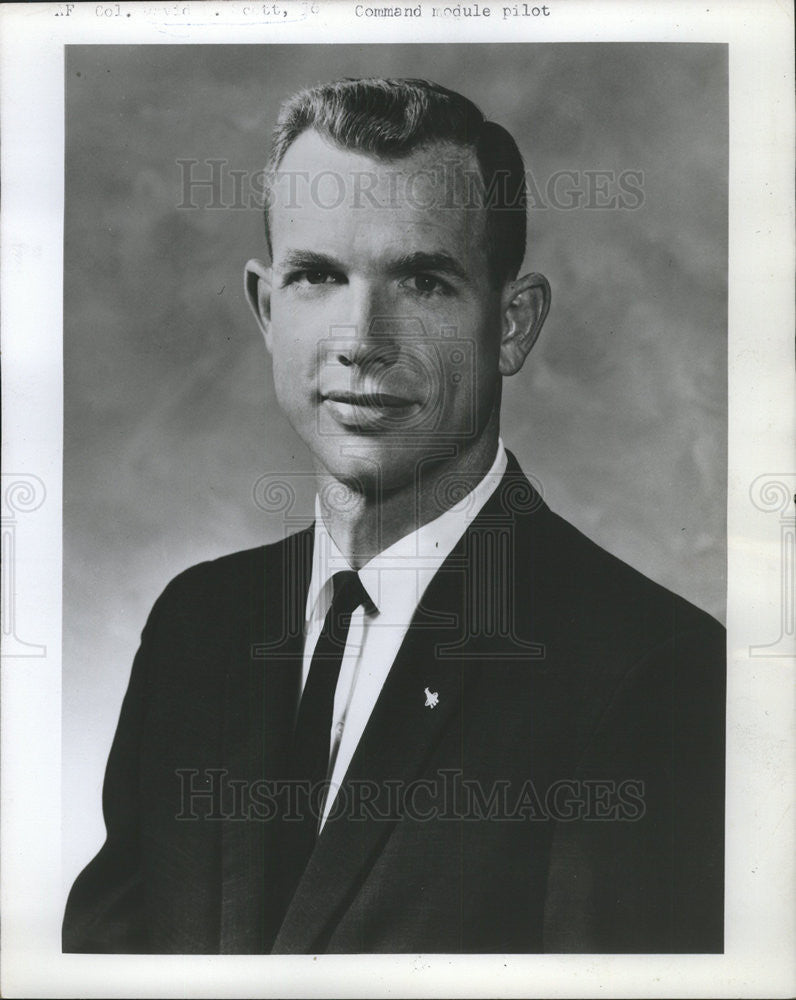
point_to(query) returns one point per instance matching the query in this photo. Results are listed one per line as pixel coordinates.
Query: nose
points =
(370, 336)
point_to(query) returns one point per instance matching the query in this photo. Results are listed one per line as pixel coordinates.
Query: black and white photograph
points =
(430, 714)
(397, 406)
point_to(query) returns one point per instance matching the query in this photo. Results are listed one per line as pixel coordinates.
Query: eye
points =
(426, 284)
(314, 276)
(319, 277)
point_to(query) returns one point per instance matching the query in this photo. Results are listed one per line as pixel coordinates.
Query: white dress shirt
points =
(395, 581)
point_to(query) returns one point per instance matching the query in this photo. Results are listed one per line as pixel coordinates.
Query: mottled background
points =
(170, 415)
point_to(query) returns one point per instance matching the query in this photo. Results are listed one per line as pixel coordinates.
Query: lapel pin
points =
(432, 698)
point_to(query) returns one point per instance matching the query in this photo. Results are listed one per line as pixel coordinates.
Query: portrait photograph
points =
(397, 517)
(538, 718)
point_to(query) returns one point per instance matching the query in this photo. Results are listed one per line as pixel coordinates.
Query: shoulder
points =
(600, 584)
(569, 570)
(234, 579)
(603, 623)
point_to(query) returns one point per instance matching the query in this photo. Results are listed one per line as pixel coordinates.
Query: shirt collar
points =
(396, 578)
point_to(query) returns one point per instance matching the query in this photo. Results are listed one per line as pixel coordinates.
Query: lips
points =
(375, 400)
(369, 411)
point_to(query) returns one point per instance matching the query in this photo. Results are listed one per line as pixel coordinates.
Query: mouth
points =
(368, 410)
(373, 400)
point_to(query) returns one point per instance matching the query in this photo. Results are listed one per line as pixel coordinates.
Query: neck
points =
(371, 523)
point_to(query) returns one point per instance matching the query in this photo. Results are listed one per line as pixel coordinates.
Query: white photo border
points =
(760, 819)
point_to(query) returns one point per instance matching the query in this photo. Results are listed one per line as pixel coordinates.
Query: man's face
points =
(384, 327)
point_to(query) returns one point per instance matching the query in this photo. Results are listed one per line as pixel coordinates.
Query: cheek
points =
(293, 370)
(293, 343)
(285, 351)
(481, 345)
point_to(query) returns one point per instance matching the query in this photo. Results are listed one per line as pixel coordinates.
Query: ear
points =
(524, 305)
(257, 285)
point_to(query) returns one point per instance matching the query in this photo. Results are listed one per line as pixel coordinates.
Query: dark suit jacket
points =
(565, 794)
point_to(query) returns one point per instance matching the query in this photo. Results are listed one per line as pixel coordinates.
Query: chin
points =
(377, 466)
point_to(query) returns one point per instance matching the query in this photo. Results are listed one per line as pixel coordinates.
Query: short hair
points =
(389, 119)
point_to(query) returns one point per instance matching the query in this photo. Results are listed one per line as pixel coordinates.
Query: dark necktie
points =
(310, 753)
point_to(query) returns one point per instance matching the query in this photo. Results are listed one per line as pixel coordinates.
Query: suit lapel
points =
(262, 686)
(441, 653)
(398, 737)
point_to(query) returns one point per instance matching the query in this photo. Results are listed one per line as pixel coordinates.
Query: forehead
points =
(326, 193)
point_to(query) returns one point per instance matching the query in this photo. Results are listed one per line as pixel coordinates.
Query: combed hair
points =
(389, 119)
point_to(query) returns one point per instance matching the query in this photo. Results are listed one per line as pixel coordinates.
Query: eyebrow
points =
(437, 261)
(308, 260)
(420, 260)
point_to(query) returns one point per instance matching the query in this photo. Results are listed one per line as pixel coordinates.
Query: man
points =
(439, 719)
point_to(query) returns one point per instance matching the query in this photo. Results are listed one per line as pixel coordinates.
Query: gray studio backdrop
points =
(170, 415)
